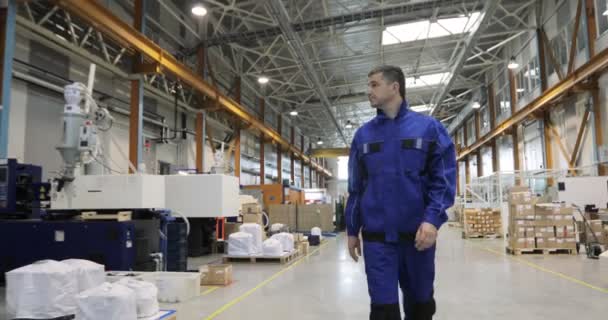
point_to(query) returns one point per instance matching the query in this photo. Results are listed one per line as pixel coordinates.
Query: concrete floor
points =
(475, 280)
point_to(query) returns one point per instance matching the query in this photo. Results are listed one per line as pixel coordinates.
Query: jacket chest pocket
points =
(373, 156)
(415, 155)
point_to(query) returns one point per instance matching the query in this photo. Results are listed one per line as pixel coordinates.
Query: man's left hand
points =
(426, 236)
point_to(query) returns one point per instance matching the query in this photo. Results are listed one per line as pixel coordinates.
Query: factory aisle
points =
(475, 281)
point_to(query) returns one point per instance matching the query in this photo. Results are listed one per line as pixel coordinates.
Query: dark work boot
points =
(385, 312)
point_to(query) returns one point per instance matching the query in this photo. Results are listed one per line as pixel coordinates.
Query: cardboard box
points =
(315, 215)
(596, 225)
(566, 243)
(253, 218)
(553, 209)
(283, 213)
(564, 231)
(216, 274)
(304, 247)
(518, 210)
(251, 208)
(520, 195)
(521, 243)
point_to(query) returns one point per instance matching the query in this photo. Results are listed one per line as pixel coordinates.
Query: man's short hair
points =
(391, 74)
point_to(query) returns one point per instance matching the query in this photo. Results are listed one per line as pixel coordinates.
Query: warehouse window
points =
(342, 168)
(427, 80)
(602, 16)
(528, 78)
(421, 30)
(471, 131)
(484, 120)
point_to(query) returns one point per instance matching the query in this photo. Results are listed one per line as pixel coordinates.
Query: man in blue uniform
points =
(402, 176)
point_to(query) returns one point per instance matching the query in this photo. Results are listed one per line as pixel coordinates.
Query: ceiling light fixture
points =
(475, 105)
(348, 125)
(293, 112)
(520, 90)
(319, 142)
(263, 80)
(606, 12)
(513, 64)
(199, 10)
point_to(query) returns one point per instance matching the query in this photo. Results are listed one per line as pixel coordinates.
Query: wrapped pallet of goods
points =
(521, 219)
(554, 227)
(109, 301)
(256, 232)
(240, 244)
(273, 247)
(482, 223)
(286, 239)
(146, 296)
(42, 290)
(89, 273)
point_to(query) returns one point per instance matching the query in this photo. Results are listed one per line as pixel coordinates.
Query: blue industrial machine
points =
(22, 191)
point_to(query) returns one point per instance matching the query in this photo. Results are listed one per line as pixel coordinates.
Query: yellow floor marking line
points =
(543, 269)
(262, 284)
(210, 290)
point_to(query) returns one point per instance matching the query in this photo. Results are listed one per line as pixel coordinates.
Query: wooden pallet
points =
(481, 236)
(285, 258)
(539, 251)
(120, 216)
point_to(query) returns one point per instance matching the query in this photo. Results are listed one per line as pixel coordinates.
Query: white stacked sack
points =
(255, 230)
(272, 248)
(240, 244)
(42, 290)
(286, 239)
(90, 274)
(146, 296)
(109, 301)
(316, 231)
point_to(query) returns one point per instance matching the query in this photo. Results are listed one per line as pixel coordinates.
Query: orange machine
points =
(278, 194)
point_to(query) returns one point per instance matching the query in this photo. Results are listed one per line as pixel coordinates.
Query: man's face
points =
(379, 91)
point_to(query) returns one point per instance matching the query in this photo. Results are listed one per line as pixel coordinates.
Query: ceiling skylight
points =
(421, 108)
(430, 80)
(421, 30)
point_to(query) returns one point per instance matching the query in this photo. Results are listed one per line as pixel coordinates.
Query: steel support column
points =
(7, 50)
(595, 94)
(262, 146)
(280, 152)
(303, 176)
(293, 160)
(201, 118)
(237, 131)
(137, 96)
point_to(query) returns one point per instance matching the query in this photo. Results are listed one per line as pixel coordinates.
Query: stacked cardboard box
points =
(521, 219)
(315, 215)
(482, 222)
(598, 229)
(216, 274)
(539, 225)
(252, 213)
(554, 226)
(283, 213)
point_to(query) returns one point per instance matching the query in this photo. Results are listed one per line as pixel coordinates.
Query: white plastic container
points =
(146, 296)
(109, 301)
(240, 244)
(174, 287)
(286, 240)
(90, 274)
(272, 248)
(42, 290)
(316, 231)
(255, 230)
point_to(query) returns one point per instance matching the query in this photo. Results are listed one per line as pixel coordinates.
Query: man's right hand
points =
(354, 247)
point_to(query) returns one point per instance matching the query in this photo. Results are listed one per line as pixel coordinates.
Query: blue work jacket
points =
(402, 172)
